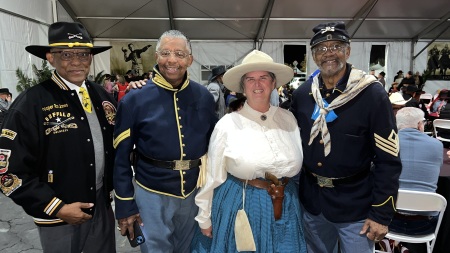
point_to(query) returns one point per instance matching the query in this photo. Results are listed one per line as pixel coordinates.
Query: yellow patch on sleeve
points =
(125, 134)
(389, 145)
(8, 134)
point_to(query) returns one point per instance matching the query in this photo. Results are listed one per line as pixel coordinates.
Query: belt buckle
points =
(324, 181)
(182, 164)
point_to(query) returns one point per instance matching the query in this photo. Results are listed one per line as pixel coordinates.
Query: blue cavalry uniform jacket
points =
(363, 137)
(163, 123)
(47, 155)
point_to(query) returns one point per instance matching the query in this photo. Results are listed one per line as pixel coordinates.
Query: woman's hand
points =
(207, 232)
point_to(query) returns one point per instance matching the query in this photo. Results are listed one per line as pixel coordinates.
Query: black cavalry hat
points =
(330, 31)
(217, 71)
(66, 35)
(5, 91)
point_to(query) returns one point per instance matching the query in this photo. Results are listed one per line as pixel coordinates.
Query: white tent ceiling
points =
(259, 20)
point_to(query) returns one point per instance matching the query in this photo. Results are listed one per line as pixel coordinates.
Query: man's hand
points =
(373, 230)
(136, 84)
(127, 224)
(207, 232)
(72, 213)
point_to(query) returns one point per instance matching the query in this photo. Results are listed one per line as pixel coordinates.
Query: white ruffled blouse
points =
(246, 146)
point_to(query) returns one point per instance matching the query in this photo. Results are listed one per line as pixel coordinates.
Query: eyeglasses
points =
(68, 56)
(178, 54)
(333, 49)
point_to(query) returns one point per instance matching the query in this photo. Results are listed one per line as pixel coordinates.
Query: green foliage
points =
(99, 78)
(42, 74)
(426, 74)
(25, 82)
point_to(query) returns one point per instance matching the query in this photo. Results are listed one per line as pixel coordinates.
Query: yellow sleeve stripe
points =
(52, 205)
(391, 198)
(389, 145)
(125, 134)
(129, 198)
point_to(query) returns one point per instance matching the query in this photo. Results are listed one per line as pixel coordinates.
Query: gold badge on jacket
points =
(110, 112)
(9, 183)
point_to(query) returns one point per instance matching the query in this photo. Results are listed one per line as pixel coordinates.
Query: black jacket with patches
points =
(48, 152)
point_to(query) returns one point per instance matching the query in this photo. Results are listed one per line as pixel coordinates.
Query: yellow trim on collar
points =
(125, 134)
(159, 80)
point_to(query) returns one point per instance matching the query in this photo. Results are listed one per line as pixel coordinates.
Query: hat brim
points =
(232, 77)
(41, 51)
(211, 77)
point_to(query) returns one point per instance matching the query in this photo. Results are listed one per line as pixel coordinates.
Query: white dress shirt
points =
(246, 146)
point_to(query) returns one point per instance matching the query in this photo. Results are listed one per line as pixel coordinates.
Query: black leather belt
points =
(174, 165)
(330, 182)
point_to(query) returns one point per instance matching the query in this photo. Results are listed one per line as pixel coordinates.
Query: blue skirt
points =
(284, 235)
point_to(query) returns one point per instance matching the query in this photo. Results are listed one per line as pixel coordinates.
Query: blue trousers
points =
(168, 221)
(321, 235)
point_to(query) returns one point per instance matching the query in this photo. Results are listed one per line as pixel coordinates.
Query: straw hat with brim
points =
(256, 61)
(397, 99)
(66, 35)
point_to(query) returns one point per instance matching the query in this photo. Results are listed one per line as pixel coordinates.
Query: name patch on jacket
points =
(59, 124)
(8, 134)
(4, 160)
(9, 183)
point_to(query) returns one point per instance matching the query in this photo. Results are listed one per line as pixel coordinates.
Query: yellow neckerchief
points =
(159, 80)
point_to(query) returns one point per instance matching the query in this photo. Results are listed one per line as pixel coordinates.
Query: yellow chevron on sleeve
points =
(389, 145)
(125, 134)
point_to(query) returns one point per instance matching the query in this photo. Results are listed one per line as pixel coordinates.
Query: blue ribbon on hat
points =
(331, 115)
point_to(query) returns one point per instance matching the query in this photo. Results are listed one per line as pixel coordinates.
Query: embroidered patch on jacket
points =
(8, 134)
(60, 123)
(389, 145)
(9, 183)
(4, 160)
(110, 112)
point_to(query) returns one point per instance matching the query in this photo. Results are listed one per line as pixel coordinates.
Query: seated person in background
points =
(439, 102)
(444, 113)
(408, 80)
(421, 157)
(409, 95)
(398, 76)
(397, 101)
(393, 88)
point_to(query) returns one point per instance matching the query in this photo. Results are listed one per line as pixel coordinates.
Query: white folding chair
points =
(423, 202)
(426, 97)
(443, 124)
